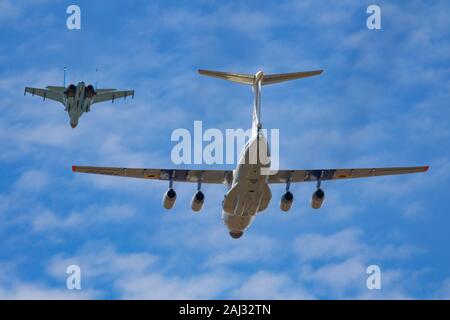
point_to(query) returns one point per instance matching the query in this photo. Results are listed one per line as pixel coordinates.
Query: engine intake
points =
(197, 201)
(169, 198)
(317, 199)
(286, 201)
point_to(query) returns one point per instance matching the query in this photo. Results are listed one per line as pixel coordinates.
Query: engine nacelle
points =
(197, 201)
(317, 199)
(71, 91)
(169, 198)
(89, 92)
(286, 201)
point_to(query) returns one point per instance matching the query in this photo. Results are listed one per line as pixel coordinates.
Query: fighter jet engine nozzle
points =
(197, 201)
(317, 199)
(169, 198)
(286, 201)
(71, 90)
(90, 91)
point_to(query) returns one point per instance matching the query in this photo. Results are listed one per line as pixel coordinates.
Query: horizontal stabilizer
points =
(235, 77)
(275, 78)
(266, 78)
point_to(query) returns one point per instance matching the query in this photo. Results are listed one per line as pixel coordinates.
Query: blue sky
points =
(382, 101)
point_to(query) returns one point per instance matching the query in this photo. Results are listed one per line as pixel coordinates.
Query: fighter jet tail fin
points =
(250, 79)
(64, 81)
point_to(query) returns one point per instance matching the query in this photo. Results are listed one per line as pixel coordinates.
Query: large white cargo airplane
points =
(78, 99)
(248, 186)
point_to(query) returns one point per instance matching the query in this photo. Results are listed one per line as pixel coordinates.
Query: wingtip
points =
(318, 72)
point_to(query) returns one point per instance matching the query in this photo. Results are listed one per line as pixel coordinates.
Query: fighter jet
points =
(78, 99)
(248, 191)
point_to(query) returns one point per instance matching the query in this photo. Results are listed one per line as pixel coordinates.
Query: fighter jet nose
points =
(73, 125)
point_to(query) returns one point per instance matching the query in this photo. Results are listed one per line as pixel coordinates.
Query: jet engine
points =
(317, 199)
(197, 201)
(286, 201)
(89, 92)
(169, 198)
(71, 90)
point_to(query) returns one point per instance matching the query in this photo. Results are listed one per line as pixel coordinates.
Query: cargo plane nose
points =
(236, 234)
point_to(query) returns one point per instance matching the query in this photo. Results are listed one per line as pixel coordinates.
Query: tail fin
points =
(251, 79)
(64, 81)
(96, 72)
(256, 81)
(235, 77)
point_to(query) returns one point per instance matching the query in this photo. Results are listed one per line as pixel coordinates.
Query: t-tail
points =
(258, 80)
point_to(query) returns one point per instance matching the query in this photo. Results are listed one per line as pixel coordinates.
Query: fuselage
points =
(249, 192)
(77, 100)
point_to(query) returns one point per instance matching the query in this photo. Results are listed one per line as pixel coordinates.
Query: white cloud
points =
(256, 248)
(444, 291)
(268, 285)
(7, 10)
(98, 261)
(341, 244)
(350, 243)
(46, 220)
(158, 286)
(138, 276)
(31, 181)
(92, 215)
(32, 291)
(340, 277)
(14, 288)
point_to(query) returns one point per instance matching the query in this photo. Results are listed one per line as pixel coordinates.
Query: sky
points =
(382, 101)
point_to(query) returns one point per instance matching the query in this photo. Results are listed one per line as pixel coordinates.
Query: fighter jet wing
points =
(104, 90)
(56, 88)
(284, 176)
(112, 95)
(181, 175)
(45, 93)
